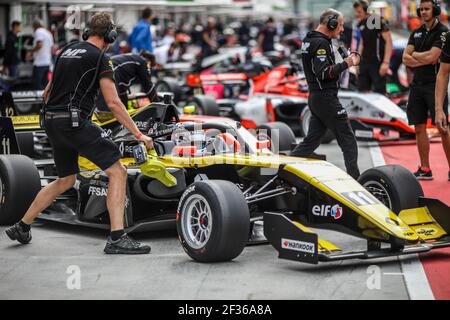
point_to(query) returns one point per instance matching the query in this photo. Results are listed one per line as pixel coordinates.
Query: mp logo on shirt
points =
(305, 47)
(73, 53)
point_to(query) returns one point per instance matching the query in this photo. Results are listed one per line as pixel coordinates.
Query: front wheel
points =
(393, 185)
(213, 221)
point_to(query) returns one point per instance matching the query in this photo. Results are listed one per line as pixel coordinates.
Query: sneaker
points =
(423, 175)
(125, 245)
(17, 233)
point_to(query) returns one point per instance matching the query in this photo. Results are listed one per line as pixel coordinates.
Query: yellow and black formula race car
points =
(216, 181)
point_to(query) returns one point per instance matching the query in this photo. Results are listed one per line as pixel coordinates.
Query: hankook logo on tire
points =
(185, 194)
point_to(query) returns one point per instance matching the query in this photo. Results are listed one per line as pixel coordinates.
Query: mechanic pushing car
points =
(375, 48)
(80, 70)
(129, 69)
(322, 74)
(422, 55)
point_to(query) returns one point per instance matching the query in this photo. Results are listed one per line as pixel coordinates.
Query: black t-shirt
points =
(445, 56)
(269, 37)
(130, 69)
(424, 40)
(73, 74)
(373, 42)
(11, 52)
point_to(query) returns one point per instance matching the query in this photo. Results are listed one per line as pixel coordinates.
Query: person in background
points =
(197, 32)
(141, 37)
(375, 49)
(209, 38)
(288, 27)
(422, 56)
(12, 58)
(42, 54)
(266, 37)
(169, 36)
(244, 33)
(347, 35)
(155, 30)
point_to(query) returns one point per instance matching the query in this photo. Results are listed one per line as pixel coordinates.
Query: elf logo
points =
(335, 211)
(301, 246)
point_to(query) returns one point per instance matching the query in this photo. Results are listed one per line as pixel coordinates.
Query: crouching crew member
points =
(322, 75)
(422, 55)
(130, 69)
(81, 69)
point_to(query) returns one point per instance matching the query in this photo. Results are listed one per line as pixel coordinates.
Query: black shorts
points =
(88, 140)
(369, 78)
(421, 104)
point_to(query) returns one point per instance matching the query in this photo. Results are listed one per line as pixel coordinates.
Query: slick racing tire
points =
(395, 186)
(25, 140)
(170, 85)
(305, 118)
(205, 105)
(19, 185)
(280, 134)
(213, 221)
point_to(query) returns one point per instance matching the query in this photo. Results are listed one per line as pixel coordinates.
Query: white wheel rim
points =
(196, 223)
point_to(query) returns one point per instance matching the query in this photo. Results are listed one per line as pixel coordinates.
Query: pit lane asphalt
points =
(41, 269)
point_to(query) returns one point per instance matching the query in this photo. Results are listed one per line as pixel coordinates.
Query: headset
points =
(436, 9)
(333, 22)
(109, 36)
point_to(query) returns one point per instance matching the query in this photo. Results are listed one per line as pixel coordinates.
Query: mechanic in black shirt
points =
(322, 74)
(441, 108)
(422, 55)
(130, 69)
(375, 49)
(79, 72)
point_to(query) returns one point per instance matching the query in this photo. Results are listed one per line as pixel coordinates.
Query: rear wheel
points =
(304, 127)
(19, 185)
(395, 186)
(170, 85)
(213, 221)
(205, 105)
(280, 134)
